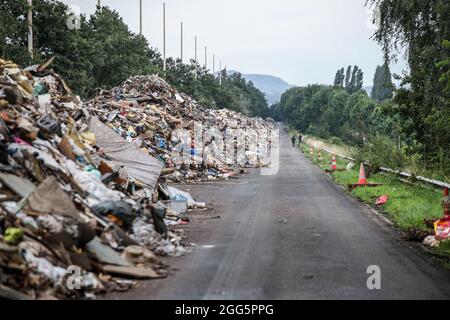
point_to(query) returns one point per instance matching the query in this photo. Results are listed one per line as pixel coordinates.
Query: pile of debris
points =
(84, 200)
(73, 213)
(190, 140)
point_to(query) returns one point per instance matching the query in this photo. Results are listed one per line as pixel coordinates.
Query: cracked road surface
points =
(294, 235)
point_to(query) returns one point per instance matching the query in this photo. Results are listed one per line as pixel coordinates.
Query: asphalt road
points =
(321, 249)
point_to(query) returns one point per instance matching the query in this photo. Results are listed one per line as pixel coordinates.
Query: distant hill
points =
(273, 87)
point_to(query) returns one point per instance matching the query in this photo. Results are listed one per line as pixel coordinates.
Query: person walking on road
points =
(293, 141)
(300, 139)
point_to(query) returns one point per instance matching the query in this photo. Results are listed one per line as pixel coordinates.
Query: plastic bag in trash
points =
(158, 214)
(120, 209)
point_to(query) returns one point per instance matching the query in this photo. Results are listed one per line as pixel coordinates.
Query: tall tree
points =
(102, 53)
(419, 28)
(359, 80)
(121, 53)
(339, 78)
(354, 79)
(382, 84)
(13, 30)
(348, 76)
(445, 67)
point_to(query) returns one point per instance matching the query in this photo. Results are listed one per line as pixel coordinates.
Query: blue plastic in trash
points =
(162, 143)
(179, 203)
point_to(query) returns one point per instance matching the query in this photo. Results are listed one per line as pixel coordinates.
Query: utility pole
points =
(140, 17)
(195, 54)
(181, 41)
(99, 3)
(196, 71)
(220, 73)
(206, 57)
(214, 65)
(164, 37)
(30, 28)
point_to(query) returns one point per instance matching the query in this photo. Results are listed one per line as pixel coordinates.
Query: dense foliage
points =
(103, 52)
(329, 111)
(421, 29)
(383, 87)
(405, 127)
(444, 65)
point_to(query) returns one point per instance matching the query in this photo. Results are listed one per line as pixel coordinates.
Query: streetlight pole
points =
(196, 71)
(220, 73)
(164, 37)
(195, 51)
(30, 28)
(206, 57)
(182, 41)
(140, 17)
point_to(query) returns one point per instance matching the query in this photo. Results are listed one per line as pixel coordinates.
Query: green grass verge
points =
(408, 206)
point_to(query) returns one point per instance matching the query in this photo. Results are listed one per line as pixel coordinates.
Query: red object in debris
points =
(333, 163)
(442, 229)
(362, 176)
(382, 200)
(20, 141)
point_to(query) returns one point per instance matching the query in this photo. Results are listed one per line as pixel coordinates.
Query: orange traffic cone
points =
(333, 163)
(446, 203)
(362, 176)
(362, 180)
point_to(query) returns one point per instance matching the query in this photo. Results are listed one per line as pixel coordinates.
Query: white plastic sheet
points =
(138, 164)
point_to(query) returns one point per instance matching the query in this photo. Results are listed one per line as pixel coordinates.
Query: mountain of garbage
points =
(85, 201)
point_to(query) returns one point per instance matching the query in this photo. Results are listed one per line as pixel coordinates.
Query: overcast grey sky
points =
(301, 41)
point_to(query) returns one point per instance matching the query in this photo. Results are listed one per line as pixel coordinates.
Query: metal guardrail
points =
(433, 182)
(429, 181)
